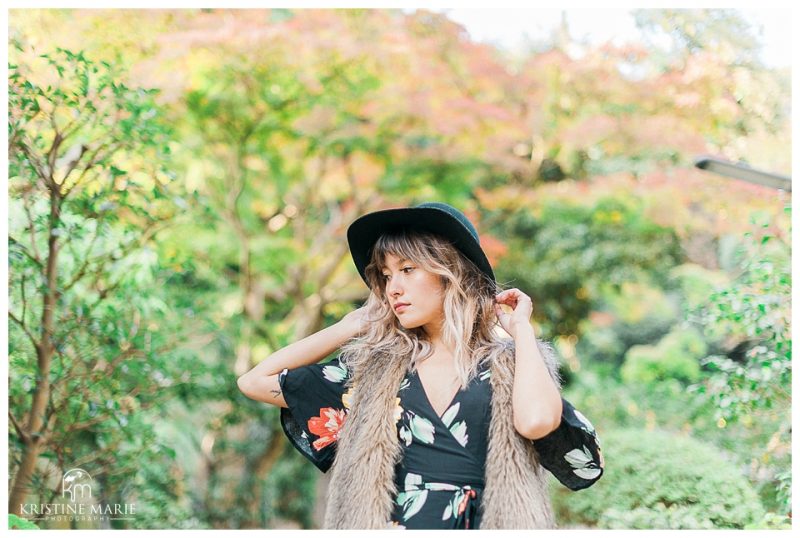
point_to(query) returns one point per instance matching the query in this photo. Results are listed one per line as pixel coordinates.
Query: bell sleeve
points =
(316, 397)
(572, 451)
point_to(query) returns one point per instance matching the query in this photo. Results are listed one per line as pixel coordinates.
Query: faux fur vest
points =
(362, 489)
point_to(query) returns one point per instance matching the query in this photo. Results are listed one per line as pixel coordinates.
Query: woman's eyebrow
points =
(401, 260)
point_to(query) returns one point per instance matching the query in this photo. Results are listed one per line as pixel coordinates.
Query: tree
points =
(756, 309)
(89, 191)
(692, 31)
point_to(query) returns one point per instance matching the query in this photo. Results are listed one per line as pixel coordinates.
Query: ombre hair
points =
(470, 326)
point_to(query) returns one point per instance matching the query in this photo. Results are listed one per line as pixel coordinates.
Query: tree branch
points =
(52, 154)
(32, 228)
(20, 431)
(37, 166)
(82, 271)
(24, 328)
(25, 251)
(111, 149)
(74, 164)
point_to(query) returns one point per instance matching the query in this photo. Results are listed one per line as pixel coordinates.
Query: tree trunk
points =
(44, 356)
(253, 474)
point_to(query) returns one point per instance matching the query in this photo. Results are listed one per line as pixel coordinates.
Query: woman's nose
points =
(393, 285)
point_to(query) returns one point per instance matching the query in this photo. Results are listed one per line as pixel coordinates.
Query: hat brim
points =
(364, 232)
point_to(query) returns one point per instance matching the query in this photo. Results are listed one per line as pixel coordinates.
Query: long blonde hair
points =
(470, 323)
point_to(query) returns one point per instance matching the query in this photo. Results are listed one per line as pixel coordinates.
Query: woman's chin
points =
(407, 324)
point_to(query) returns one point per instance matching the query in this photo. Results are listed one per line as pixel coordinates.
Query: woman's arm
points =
(536, 399)
(537, 405)
(261, 383)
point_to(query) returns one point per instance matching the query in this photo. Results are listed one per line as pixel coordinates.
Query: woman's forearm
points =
(536, 399)
(309, 350)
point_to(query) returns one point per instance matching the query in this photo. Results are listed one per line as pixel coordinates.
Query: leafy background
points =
(180, 183)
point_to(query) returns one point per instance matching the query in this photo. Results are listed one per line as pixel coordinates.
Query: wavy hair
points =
(470, 322)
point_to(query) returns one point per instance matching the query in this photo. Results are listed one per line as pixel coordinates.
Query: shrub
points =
(658, 479)
(16, 522)
(634, 314)
(755, 390)
(676, 356)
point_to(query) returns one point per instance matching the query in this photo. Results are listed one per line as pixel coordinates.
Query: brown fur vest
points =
(362, 490)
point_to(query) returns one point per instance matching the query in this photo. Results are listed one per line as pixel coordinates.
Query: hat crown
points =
(452, 211)
(437, 217)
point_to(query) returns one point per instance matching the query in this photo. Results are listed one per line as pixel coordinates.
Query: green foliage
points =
(771, 521)
(697, 283)
(16, 522)
(658, 479)
(147, 472)
(90, 187)
(290, 488)
(691, 31)
(602, 347)
(675, 356)
(278, 149)
(103, 143)
(565, 255)
(634, 314)
(755, 307)
(759, 439)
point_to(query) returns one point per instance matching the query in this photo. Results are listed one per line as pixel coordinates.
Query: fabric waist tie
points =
(464, 501)
(467, 509)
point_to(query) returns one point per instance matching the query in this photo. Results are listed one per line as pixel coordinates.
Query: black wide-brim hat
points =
(434, 217)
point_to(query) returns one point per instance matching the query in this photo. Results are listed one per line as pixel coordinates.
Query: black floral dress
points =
(440, 477)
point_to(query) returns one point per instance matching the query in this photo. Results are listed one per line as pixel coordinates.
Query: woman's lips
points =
(401, 308)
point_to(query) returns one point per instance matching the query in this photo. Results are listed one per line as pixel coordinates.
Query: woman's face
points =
(422, 290)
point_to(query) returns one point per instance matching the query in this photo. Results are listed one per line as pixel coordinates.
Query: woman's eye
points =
(386, 277)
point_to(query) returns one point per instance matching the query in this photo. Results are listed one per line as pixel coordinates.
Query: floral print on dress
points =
(439, 478)
(589, 428)
(347, 398)
(398, 410)
(458, 504)
(583, 463)
(413, 497)
(326, 426)
(335, 372)
(459, 429)
(416, 427)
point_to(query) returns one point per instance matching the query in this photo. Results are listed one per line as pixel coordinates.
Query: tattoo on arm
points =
(275, 392)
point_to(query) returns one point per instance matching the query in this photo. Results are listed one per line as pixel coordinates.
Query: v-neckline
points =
(428, 400)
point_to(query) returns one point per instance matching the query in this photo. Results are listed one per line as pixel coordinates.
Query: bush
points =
(676, 356)
(601, 348)
(635, 314)
(755, 390)
(658, 479)
(566, 254)
(16, 522)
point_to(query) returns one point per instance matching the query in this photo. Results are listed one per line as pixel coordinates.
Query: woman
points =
(430, 417)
